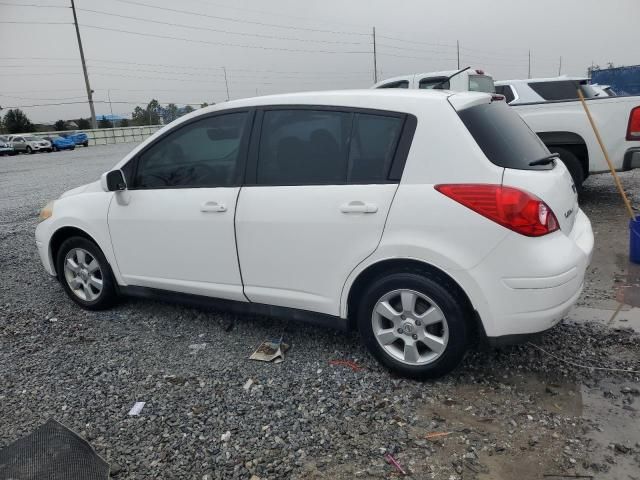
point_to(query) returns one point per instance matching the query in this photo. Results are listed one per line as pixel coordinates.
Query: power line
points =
(397, 39)
(439, 52)
(35, 23)
(195, 27)
(417, 58)
(237, 20)
(279, 14)
(260, 47)
(39, 5)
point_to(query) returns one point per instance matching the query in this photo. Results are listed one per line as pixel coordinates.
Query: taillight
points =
(512, 208)
(633, 130)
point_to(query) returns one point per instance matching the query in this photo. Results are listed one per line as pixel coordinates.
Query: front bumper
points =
(527, 285)
(42, 242)
(4, 150)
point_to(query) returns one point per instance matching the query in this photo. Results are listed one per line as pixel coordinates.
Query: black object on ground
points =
(52, 452)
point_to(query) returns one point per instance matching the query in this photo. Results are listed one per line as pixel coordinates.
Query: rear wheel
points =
(86, 144)
(85, 274)
(54, 148)
(572, 163)
(415, 325)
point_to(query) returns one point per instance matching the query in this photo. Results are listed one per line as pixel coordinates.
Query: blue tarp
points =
(623, 80)
(109, 117)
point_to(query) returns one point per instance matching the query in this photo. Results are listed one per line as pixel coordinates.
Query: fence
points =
(104, 136)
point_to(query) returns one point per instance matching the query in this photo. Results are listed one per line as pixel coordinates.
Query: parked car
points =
(551, 108)
(29, 144)
(424, 219)
(464, 80)
(603, 90)
(79, 138)
(5, 146)
(60, 143)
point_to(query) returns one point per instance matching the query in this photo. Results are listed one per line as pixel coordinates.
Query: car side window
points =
(373, 145)
(437, 83)
(303, 147)
(506, 91)
(203, 153)
(399, 84)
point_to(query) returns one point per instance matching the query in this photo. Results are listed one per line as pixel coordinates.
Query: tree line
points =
(154, 113)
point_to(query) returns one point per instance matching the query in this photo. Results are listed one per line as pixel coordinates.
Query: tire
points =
(54, 148)
(87, 294)
(573, 165)
(29, 149)
(86, 144)
(435, 293)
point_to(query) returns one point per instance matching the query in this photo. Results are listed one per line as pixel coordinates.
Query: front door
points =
(173, 228)
(317, 196)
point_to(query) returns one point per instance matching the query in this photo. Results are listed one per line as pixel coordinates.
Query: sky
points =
(178, 51)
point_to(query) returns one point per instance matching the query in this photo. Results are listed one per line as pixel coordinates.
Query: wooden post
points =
(606, 156)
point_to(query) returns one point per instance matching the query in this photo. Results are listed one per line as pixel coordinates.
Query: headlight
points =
(47, 210)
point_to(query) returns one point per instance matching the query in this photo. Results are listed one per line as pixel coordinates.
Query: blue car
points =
(79, 138)
(61, 143)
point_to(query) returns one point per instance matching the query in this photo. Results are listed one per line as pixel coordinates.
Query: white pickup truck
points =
(550, 106)
(464, 80)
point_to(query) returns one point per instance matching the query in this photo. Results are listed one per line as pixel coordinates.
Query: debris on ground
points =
(346, 363)
(392, 461)
(136, 409)
(270, 351)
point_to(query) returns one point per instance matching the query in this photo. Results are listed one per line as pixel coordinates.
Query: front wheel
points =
(29, 149)
(86, 144)
(414, 324)
(85, 274)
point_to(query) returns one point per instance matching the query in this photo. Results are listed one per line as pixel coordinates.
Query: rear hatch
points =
(508, 142)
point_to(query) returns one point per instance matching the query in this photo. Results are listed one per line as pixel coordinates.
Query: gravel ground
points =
(510, 413)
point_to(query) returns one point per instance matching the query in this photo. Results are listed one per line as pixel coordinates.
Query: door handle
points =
(358, 206)
(213, 207)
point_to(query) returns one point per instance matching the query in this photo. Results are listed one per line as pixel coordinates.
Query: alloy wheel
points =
(410, 327)
(83, 274)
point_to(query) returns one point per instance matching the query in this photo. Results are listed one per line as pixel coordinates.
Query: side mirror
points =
(113, 181)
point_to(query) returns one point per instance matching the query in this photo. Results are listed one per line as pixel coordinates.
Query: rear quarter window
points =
(561, 90)
(481, 83)
(504, 137)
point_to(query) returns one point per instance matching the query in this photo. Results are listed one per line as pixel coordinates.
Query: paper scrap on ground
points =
(270, 351)
(136, 409)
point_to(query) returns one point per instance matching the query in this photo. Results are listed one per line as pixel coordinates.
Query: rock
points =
(225, 436)
(115, 469)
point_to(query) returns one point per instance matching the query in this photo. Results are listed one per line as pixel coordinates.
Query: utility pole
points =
(458, 47)
(94, 123)
(529, 74)
(560, 66)
(375, 59)
(224, 69)
(112, 118)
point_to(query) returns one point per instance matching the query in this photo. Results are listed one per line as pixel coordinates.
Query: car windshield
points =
(481, 83)
(57, 137)
(31, 138)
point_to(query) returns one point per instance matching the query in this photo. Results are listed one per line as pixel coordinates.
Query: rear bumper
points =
(631, 159)
(527, 285)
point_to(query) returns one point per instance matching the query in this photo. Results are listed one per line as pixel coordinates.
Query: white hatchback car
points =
(424, 219)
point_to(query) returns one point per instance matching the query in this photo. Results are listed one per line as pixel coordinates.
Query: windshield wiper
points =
(544, 160)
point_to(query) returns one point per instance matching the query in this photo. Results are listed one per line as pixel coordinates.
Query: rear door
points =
(320, 182)
(508, 142)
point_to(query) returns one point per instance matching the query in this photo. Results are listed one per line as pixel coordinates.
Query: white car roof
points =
(442, 73)
(540, 79)
(383, 99)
